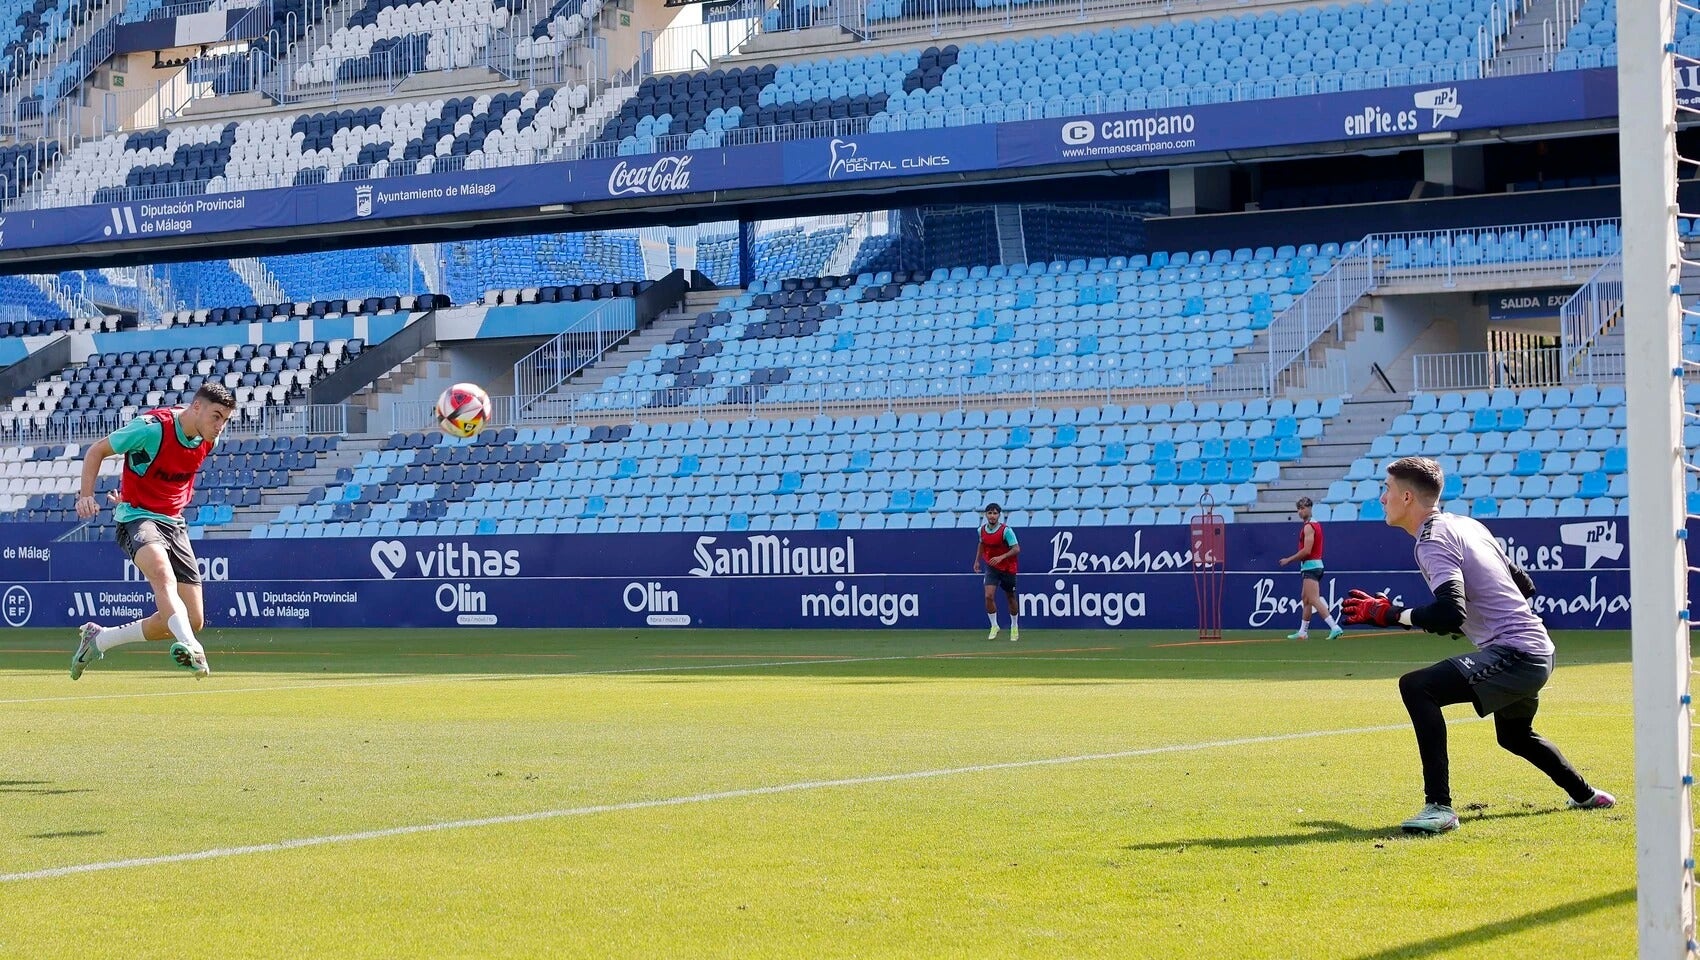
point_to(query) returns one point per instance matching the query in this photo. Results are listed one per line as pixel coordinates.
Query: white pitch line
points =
(461, 677)
(442, 678)
(283, 845)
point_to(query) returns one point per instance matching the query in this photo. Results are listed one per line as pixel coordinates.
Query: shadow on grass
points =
(39, 787)
(1322, 831)
(67, 834)
(1443, 945)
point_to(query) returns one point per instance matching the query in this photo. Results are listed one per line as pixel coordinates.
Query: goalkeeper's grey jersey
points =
(1450, 547)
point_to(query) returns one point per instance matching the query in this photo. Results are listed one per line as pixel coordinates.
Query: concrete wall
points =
(1425, 323)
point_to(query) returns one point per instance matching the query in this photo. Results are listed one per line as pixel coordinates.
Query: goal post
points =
(1653, 385)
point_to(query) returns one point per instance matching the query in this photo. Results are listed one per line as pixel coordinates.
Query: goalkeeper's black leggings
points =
(1425, 691)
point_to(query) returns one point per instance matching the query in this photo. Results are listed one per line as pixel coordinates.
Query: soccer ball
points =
(463, 410)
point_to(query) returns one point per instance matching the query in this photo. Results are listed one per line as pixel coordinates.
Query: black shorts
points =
(1504, 680)
(1312, 574)
(174, 537)
(999, 578)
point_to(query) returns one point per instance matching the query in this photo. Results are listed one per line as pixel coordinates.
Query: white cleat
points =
(1601, 800)
(993, 635)
(1432, 818)
(1014, 634)
(87, 650)
(191, 658)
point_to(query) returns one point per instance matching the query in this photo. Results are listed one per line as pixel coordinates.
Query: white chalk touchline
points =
(444, 678)
(208, 689)
(282, 845)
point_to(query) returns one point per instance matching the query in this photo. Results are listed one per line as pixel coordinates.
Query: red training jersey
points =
(1315, 542)
(168, 482)
(992, 544)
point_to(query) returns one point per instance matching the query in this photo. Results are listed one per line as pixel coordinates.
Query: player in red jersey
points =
(998, 548)
(162, 450)
(1309, 559)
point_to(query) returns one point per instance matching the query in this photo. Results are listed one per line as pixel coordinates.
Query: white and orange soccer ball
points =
(463, 410)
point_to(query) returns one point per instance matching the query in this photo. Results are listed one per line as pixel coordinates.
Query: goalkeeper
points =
(1479, 593)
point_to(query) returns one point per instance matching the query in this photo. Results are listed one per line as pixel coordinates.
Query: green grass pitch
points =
(651, 794)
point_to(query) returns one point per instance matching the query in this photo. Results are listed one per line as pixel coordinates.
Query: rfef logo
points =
(1079, 132)
(16, 606)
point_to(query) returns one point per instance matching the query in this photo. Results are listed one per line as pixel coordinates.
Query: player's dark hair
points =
(1421, 474)
(214, 391)
(992, 506)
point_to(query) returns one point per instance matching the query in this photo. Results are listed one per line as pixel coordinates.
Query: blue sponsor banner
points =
(503, 188)
(1325, 118)
(886, 155)
(1437, 108)
(1087, 577)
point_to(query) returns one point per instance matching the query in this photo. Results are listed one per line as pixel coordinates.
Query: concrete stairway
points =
(1526, 43)
(1327, 458)
(616, 361)
(424, 365)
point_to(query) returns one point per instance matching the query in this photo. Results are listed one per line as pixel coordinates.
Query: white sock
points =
(994, 619)
(110, 637)
(1013, 626)
(1304, 625)
(179, 625)
(1328, 618)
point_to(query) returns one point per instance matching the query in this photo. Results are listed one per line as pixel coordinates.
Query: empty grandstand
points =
(826, 369)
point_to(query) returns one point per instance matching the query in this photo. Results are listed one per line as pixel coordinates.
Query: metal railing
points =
(307, 74)
(310, 418)
(935, 18)
(90, 425)
(1506, 252)
(1591, 311)
(184, 8)
(36, 94)
(73, 302)
(1291, 334)
(1240, 380)
(539, 372)
(407, 416)
(1488, 370)
(697, 46)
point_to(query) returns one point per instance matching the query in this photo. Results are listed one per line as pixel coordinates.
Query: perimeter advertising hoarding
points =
(1083, 577)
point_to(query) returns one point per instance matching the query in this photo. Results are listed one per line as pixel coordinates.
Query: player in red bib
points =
(163, 450)
(1309, 559)
(998, 548)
